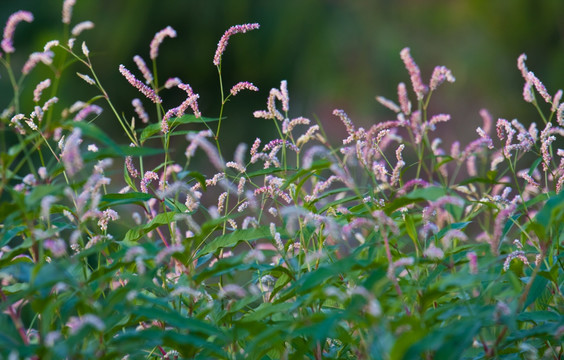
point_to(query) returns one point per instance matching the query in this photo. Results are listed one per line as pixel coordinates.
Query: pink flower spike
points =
(82, 114)
(13, 20)
(540, 87)
(39, 89)
(225, 39)
(143, 68)
(147, 178)
(35, 58)
(405, 104)
(147, 91)
(67, 11)
(521, 66)
(158, 39)
(140, 110)
(560, 114)
(80, 27)
(244, 85)
(440, 74)
(414, 73)
(556, 100)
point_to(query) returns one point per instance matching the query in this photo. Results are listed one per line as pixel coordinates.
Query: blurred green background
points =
(334, 54)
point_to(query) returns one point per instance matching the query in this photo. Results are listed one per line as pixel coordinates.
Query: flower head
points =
(147, 91)
(67, 10)
(415, 74)
(158, 39)
(225, 39)
(13, 20)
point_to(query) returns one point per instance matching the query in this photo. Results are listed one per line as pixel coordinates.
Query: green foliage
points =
(293, 250)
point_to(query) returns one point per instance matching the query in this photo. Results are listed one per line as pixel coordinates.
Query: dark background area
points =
(334, 54)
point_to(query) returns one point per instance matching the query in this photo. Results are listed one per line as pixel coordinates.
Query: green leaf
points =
(266, 309)
(430, 193)
(233, 238)
(127, 198)
(137, 232)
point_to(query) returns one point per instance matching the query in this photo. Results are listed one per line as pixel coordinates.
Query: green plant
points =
(385, 246)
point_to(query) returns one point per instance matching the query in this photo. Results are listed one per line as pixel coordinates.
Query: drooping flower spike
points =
(13, 20)
(225, 39)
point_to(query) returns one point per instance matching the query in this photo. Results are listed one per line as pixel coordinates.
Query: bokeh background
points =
(334, 54)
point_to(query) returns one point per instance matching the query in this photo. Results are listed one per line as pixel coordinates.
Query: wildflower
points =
(82, 114)
(167, 252)
(519, 255)
(130, 167)
(437, 119)
(560, 114)
(50, 44)
(198, 140)
(39, 89)
(158, 39)
(143, 68)
(400, 164)
(288, 126)
(388, 103)
(46, 203)
(67, 10)
(233, 289)
(472, 262)
(528, 95)
(255, 147)
(144, 89)
(221, 201)
(241, 86)
(147, 178)
(45, 57)
(191, 99)
(42, 171)
(556, 100)
(172, 82)
(415, 74)
(405, 104)
(13, 20)
(540, 87)
(80, 27)
(433, 252)
(77, 323)
(440, 74)
(225, 39)
(85, 50)
(140, 110)
(57, 247)
(241, 185)
(308, 135)
(105, 217)
(70, 155)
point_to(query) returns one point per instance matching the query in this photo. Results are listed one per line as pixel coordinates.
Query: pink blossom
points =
(158, 39)
(519, 255)
(472, 262)
(488, 121)
(72, 160)
(403, 99)
(241, 86)
(67, 11)
(147, 178)
(415, 74)
(39, 89)
(440, 74)
(556, 100)
(521, 66)
(172, 82)
(140, 110)
(13, 20)
(388, 103)
(540, 87)
(147, 91)
(90, 109)
(560, 114)
(80, 27)
(225, 39)
(142, 66)
(45, 57)
(191, 99)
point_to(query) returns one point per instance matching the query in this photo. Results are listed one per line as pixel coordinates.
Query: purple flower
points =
(144, 89)
(158, 39)
(225, 39)
(71, 157)
(13, 20)
(414, 73)
(147, 178)
(140, 110)
(440, 74)
(39, 89)
(45, 57)
(82, 114)
(242, 86)
(143, 68)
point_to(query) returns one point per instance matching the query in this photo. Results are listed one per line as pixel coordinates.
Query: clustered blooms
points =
(144, 89)
(237, 29)
(13, 20)
(158, 39)
(241, 86)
